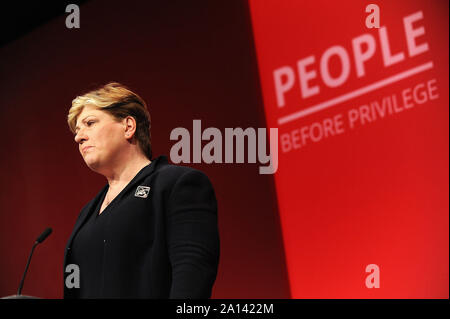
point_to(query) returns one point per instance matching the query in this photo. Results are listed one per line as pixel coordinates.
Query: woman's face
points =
(100, 138)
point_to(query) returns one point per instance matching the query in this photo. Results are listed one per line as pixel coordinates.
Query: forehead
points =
(87, 111)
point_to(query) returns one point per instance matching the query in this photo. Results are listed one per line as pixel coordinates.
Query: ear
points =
(129, 127)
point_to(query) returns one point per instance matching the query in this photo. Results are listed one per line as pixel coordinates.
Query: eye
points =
(89, 123)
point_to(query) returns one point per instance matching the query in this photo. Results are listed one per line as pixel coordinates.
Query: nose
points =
(80, 137)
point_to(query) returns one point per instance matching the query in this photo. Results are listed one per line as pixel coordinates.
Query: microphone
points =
(44, 235)
(39, 240)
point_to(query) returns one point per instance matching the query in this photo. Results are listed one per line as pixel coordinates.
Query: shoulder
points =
(186, 189)
(171, 174)
(175, 171)
(173, 179)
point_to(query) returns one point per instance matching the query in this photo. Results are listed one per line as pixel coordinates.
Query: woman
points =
(151, 232)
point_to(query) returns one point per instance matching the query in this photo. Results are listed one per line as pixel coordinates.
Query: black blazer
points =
(162, 242)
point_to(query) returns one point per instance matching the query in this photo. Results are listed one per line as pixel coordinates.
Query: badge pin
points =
(142, 191)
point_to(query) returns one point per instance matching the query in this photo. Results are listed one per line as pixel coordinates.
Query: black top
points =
(87, 252)
(158, 238)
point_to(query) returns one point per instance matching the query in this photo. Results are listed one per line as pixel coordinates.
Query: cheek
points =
(109, 138)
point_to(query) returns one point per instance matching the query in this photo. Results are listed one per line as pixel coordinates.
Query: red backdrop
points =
(188, 61)
(363, 125)
(363, 155)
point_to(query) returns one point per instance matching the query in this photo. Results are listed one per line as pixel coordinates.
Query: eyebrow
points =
(82, 121)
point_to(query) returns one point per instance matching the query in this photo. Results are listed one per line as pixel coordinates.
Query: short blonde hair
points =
(120, 102)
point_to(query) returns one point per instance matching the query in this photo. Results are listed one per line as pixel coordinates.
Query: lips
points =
(84, 149)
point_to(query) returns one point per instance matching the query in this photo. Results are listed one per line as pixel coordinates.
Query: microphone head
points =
(44, 235)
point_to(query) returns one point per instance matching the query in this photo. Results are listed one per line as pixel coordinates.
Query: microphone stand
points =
(39, 240)
(26, 269)
(19, 295)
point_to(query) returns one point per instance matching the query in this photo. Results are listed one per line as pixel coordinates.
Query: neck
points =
(121, 174)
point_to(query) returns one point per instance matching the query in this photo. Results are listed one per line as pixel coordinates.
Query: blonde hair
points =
(120, 102)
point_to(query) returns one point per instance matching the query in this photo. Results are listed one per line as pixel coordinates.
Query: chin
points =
(92, 164)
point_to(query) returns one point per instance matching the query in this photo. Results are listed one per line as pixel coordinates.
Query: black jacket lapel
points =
(85, 213)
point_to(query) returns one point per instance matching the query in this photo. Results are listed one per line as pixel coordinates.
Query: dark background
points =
(188, 60)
